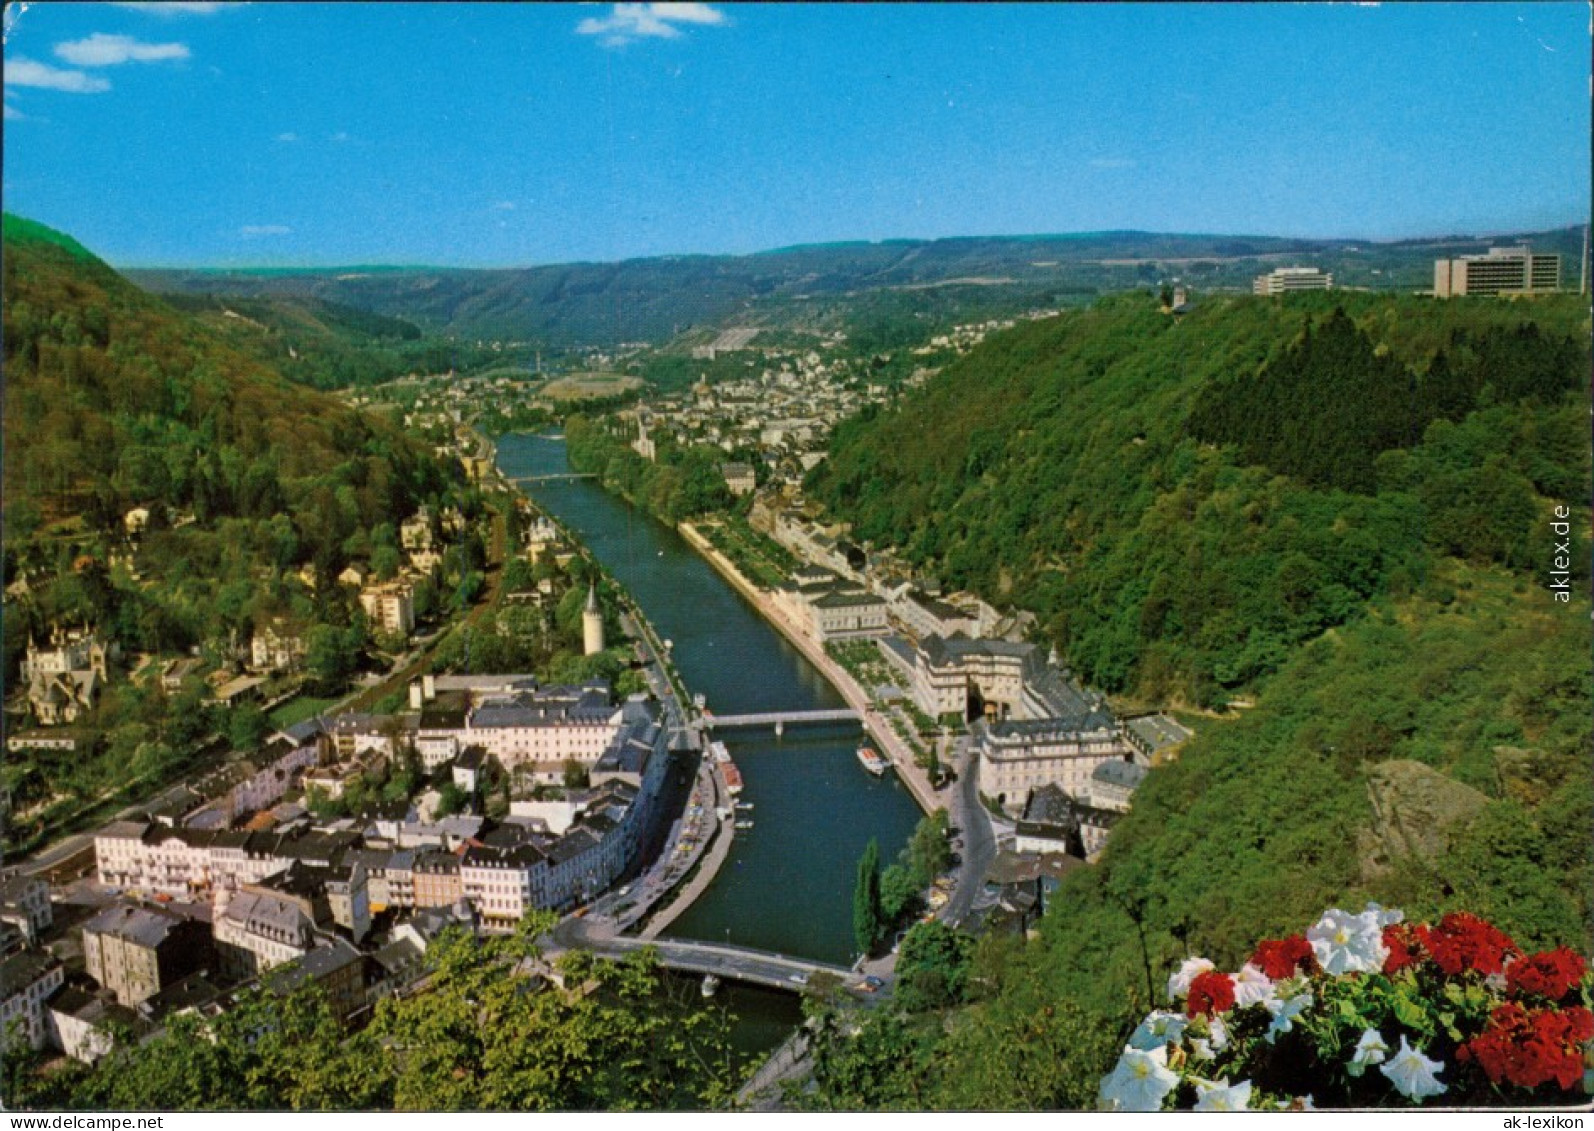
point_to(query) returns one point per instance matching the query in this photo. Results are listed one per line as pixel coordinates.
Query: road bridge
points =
(740, 963)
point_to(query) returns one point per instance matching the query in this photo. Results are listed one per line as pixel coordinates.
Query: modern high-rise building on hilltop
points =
(1283, 280)
(1504, 270)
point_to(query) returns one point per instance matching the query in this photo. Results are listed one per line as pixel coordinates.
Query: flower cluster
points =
(1364, 1010)
(1532, 1047)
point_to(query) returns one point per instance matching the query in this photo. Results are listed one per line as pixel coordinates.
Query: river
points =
(788, 883)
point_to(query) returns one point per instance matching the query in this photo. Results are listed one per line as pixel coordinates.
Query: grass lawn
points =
(298, 709)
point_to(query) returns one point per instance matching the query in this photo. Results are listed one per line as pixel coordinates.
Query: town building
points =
(739, 478)
(968, 678)
(257, 930)
(826, 607)
(535, 730)
(1502, 270)
(1287, 280)
(436, 879)
(136, 951)
(925, 616)
(337, 968)
(1017, 757)
(25, 904)
(82, 1025)
(27, 979)
(1113, 784)
(390, 607)
(1049, 824)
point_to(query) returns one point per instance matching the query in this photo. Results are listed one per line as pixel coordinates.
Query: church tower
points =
(592, 623)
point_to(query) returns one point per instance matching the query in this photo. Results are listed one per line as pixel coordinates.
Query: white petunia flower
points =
(1221, 1096)
(1347, 944)
(1201, 1049)
(1284, 1014)
(1385, 917)
(1413, 1075)
(1371, 1049)
(1140, 1081)
(1159, 1028)
(1218, 1033)
(1179, 981)
(1251, 986)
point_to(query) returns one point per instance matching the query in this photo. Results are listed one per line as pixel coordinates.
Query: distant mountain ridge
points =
(653, 299)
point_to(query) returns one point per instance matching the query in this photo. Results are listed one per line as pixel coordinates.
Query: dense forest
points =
(1337, 507)
(1183, 500)
(328, 345)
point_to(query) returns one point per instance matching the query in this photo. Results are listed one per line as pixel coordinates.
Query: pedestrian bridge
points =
(740, 963)
(556, 478)
(779, 719)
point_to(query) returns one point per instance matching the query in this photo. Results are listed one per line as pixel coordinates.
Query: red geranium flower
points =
(1405, 949)
(1463, 941)
(1532, 1048)
(1550, 973)
(1281, 958)
(1210, 993)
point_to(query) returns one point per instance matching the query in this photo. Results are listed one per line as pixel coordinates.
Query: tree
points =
(385, 562)
(899, 893)
(867, 926)
(933, 966)
(928, 854)
(330, 656)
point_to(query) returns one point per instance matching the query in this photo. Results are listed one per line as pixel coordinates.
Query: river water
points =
(787, 885)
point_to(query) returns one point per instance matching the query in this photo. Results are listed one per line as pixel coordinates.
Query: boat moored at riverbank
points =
(872, 761)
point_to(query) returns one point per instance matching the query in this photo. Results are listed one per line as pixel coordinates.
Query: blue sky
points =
(502, 134)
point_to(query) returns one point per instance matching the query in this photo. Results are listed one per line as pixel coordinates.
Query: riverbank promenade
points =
(928, 798)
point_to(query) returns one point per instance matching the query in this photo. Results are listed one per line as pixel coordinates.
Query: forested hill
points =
(654, 299)
(1183, 500)
(1345, 518)
(115, 401)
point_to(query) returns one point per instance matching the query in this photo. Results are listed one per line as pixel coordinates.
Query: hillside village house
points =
(390, 607)
(276, 648)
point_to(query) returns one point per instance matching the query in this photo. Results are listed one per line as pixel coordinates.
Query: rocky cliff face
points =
(1415, 811)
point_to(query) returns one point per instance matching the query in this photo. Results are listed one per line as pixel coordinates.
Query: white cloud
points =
(13, 114)
(193, 8)
(101, 50)
(252, 230)
(630, 22)
(288, 137)
(26, 72)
